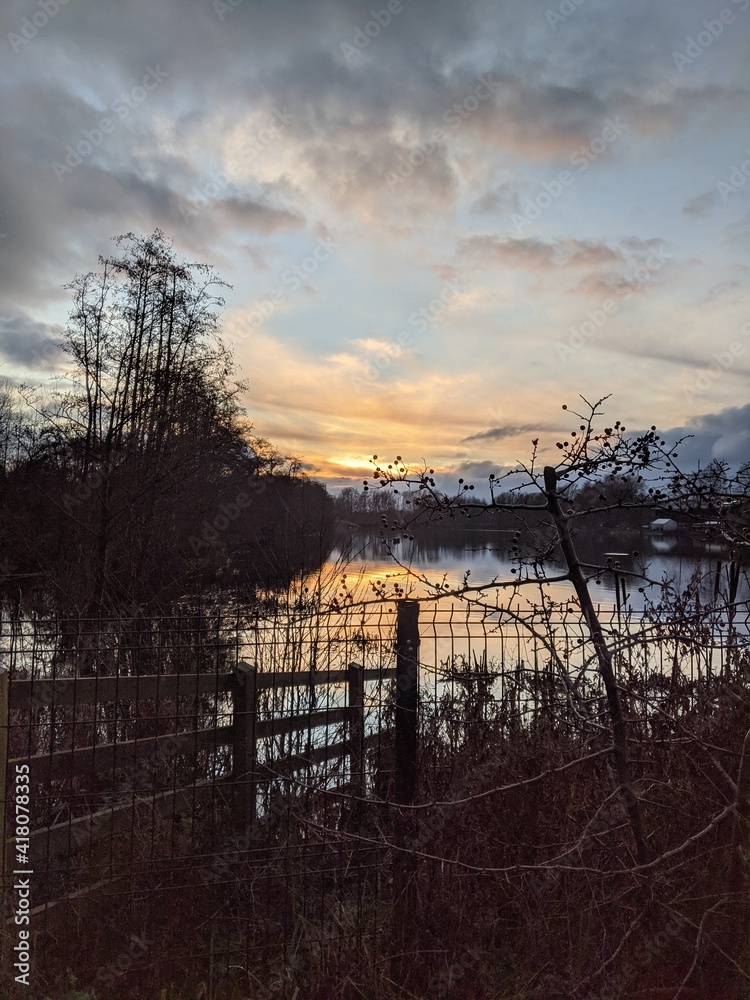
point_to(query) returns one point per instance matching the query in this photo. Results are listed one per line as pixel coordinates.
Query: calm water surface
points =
(486, 556)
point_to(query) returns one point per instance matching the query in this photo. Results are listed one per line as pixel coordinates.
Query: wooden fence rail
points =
(242, 691)
(243, 687)
(69, 691)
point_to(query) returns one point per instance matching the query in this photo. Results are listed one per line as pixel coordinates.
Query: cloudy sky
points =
(441, 220)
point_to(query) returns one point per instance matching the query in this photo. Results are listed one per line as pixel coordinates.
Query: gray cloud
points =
(724, 435)
(529, 254)
(701, 204)
(662, 117)
(658, 352)
(29, 344)
(501, 200)
(505, 431)
(534, 254)
(476, 470)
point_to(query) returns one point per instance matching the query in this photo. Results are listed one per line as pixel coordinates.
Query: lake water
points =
(500, 628)
(421, 564)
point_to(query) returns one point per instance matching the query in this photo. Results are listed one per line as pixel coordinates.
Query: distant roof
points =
(664, 520)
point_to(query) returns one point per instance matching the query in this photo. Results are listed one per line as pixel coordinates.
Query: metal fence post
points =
(405, 866)
(356, 684)
(407, 690)
(244, 775)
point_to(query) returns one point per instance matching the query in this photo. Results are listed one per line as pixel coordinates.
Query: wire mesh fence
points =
(224, 798)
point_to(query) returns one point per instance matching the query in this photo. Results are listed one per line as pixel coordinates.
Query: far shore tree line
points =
(700, 502)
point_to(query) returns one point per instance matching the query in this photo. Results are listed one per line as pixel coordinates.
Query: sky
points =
(441, 221)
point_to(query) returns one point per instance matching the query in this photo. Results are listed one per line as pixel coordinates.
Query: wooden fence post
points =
(244, 751)
(405, 866)
(356, 684)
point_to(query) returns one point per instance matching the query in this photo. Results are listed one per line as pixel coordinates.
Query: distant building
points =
(663, 525)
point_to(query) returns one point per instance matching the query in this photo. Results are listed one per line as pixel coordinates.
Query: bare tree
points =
(144, 428)
(599, 471)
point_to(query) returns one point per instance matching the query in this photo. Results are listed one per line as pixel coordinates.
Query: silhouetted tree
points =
(142, 448)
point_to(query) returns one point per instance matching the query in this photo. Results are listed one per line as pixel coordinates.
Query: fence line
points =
(242, 688)
(177, 758)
